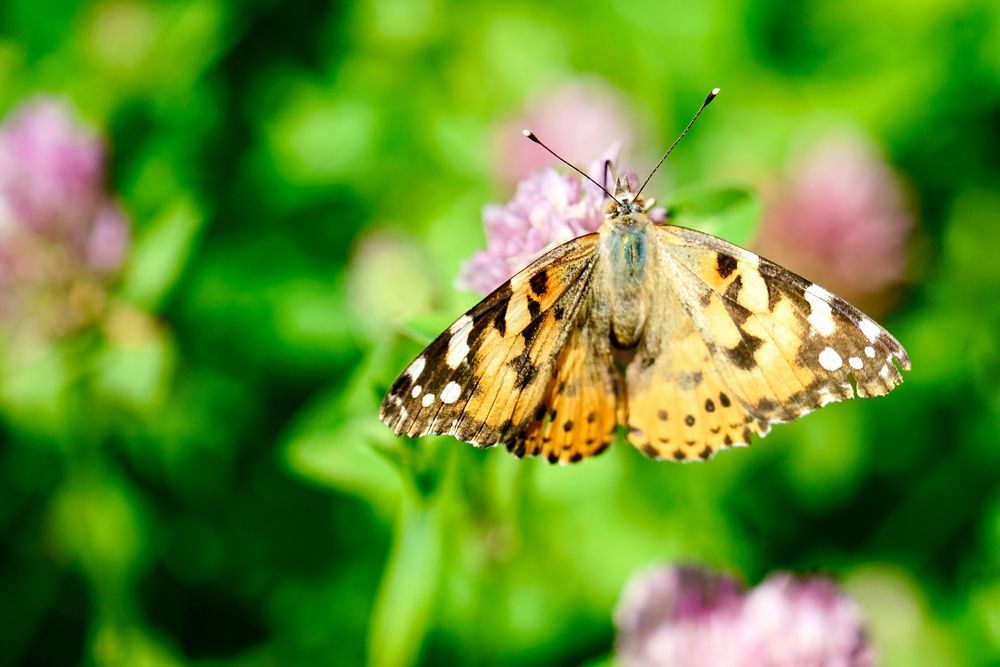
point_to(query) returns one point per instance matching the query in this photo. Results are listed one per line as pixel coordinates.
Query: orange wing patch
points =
(680, 406)
(580, 412)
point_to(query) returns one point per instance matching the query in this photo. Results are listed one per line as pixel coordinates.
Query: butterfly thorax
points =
(623, 273)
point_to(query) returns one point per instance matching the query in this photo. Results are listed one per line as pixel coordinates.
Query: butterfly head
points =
(625, 203)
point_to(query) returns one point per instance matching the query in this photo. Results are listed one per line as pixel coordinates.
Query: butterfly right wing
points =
(483, 379)
(737, 343)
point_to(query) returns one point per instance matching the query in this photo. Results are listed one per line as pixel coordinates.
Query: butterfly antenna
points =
(708, 100)
(604, 175)
(531, 135)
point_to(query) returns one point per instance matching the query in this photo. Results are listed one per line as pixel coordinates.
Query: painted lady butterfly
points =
(690, 342)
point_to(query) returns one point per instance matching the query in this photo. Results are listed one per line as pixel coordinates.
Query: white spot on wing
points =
(460, 324)
(753, 296)
(884, 372)
(428, 399)
(450, 393)
(416, 368)
(458, 345)
(870, 352)
(830, 360)
(869, 329)
(416, 390)
(820, 315)
(855, 363)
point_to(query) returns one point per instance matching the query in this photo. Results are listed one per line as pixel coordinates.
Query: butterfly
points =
(688, 342)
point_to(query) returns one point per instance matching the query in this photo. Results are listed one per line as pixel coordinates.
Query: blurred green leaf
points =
(903, 631)
(318, 136)
(730, 213)
(120, 643)
(161, 252)
(406, 595)
(35, 392)
(342, 456)
(98, 521)
(334, 440)
(135, 366)
(156, 48)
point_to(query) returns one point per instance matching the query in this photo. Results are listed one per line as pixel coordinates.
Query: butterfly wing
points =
(484, 379)
(737, 343)
(580, 410)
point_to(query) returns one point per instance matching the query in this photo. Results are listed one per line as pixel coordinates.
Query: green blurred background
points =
(204, 481)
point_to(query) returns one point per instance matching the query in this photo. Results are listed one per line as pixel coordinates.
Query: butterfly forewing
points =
(483, 379)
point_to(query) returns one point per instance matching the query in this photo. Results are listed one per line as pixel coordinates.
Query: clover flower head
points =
(548, 208)
(61, 234)
(687, 617)
(791, 622)
(677, 616)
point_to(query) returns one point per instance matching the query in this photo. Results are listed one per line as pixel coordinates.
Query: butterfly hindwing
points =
(579, 413)
(680, 404)
(483, 379)
(738, 343)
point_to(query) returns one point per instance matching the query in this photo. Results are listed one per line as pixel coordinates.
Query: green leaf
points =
(36, 395)
(161, 252)
(334, 441)
(341, 456)
(319, 136)
(730, 213)
(136, 370)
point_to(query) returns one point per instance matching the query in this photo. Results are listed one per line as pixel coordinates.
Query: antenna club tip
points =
(530, 135)
(711, 95)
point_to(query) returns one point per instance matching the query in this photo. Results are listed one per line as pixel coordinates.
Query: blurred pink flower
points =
(839, 218)
(677, 616)
(686, 617)
(787, 621)
(578, 120)
(109, 238)
(51, 169)
(61, 235)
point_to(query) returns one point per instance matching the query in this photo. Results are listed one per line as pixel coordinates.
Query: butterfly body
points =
(624, 275)
(690, 343)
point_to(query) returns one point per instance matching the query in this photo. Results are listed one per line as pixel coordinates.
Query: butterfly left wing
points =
(483, 379)
(735, 343)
